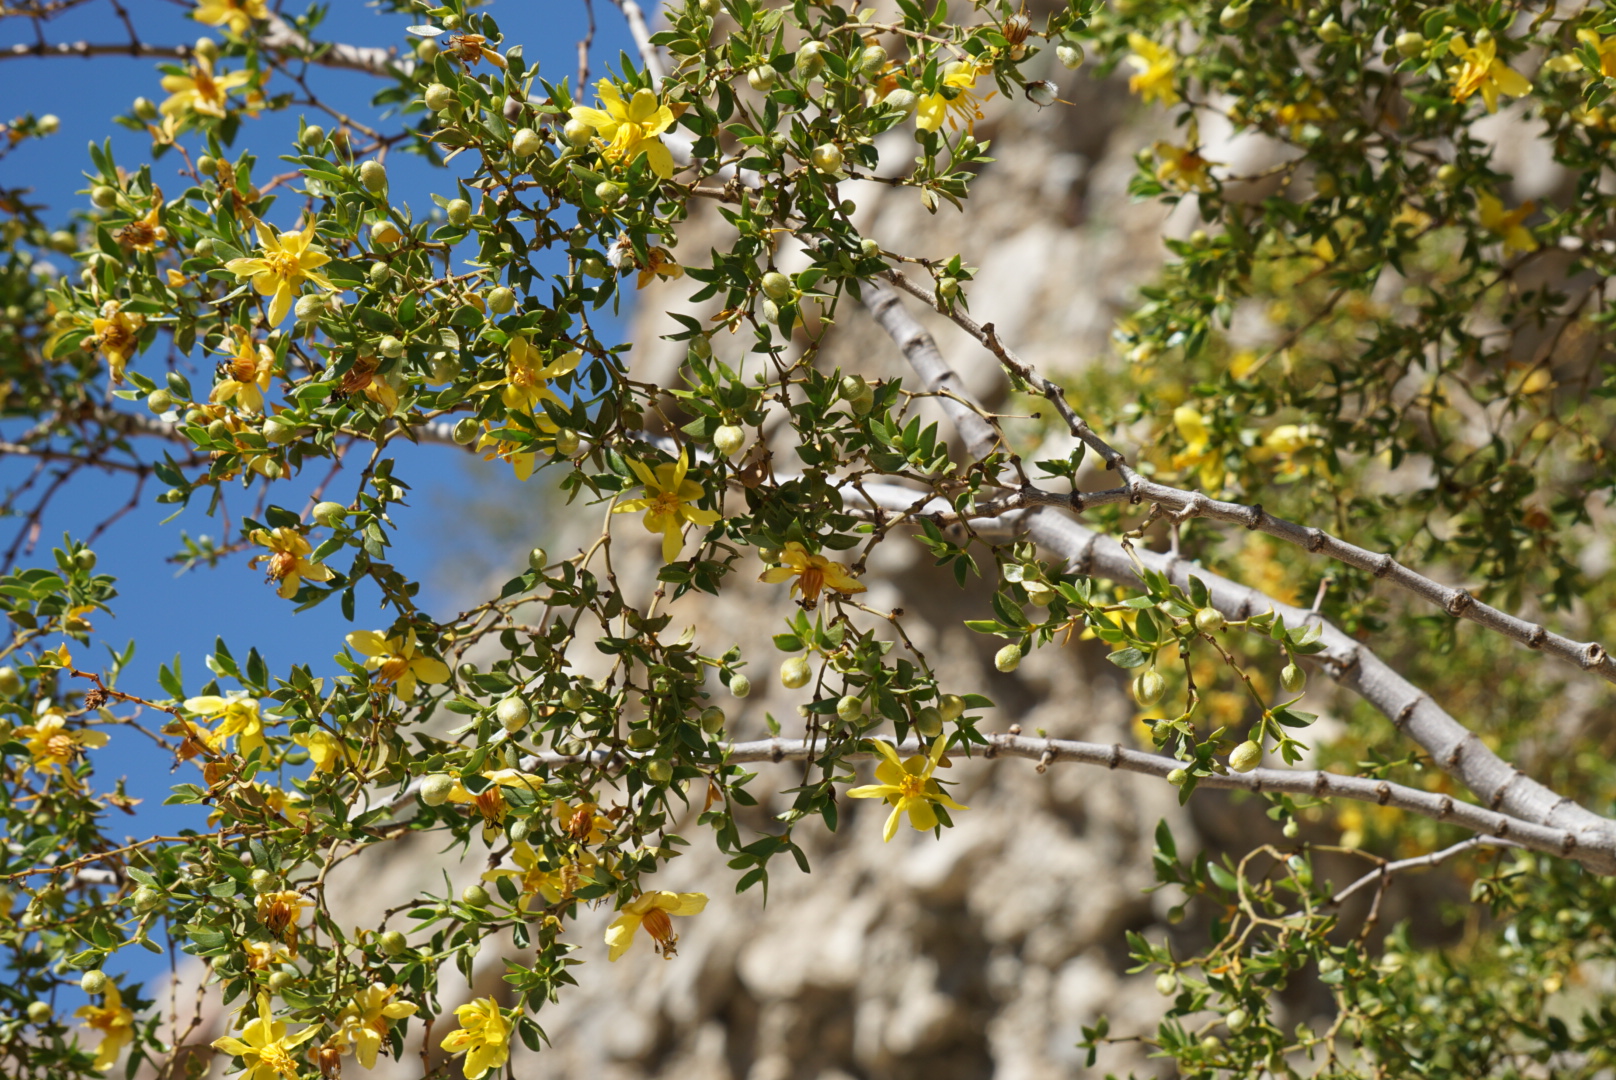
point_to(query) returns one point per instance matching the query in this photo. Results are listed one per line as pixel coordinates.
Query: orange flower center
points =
(665, 503)
(490, 804)
(206, 88)
(813, 580)
(243, 367)
(276, 1058)
(61, 746)
(912, 786)
(283, 264)
(660, 927)
(392, 669)
(137, 234)
(119, 336)
(581, 823)
(281, 564)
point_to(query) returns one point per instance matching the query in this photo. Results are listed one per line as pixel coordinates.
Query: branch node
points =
(1458, 602)
(1116, 756)
(1386, 564)
(1535, 639)
(1444, 807)
(1383, 793)
(1406, 712)
(1076, 501)
(1502, 827)
(1254, 516)
(1321, 783)
(1593, 654)
(1315, 539)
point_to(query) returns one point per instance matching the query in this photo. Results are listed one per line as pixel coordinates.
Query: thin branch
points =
(1381, 874)
(1587, 655)
(649, 56)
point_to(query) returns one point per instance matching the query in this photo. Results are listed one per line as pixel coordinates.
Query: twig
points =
(1384, 872)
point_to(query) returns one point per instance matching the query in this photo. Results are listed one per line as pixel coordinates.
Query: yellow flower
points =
(1296, 446)
(366, 1021)
(1197, 452)
(1516, 236)
(279, 912)
(288, 259)
(264, 1048)
(201, 91)
(536, 878)
(651, 910)
(527, 376)
(54, 747)
(117, 335)
(908, 786)
(1156, 64)
(361, 378)
(668, 503)
(484, 1033)
(396, 663)
(1605, 47)
(956, 97)
(288, 559)
(661, 265)
(326, 750)
(809, 574)
(632, 127)
(246, 374)
(115, 1023)
(490, 801)
(1182, 166)
(584, 823)
(239, 716)
(237, 14)
(1482, 71)
(144, 234)
(262, 955)
(521, 460)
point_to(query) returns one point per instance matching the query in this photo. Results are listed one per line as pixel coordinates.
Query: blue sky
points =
(163, 611)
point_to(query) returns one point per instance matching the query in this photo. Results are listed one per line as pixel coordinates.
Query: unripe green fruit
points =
(145, 108)
(459, 211)
(577, 133)
(713, 719)
(641, 738)
(309, 308)
(1237, 1020)
(1167, 984)
(1039, 593)
(220, 432)
(279, 981)
(93, 981)
(1149, 687)
(1070, 55)
(526, 142)
(1448, 175)
(929, 722)
(659, 771)
(439, 98)
(10, 682)
(776, 285)
(795, 673)
(1177, 777)
(385, 234)
(728, 440)
(1235, 16)
(608, 192)
(381, 274)
(40, 1012)
(827, 158)
(427, 50)
(1211, 1044)
(711, 7)
(159, 401)
(392, 942)
(145, 899)
(869, 248)
(1209, 620)
(513, 713)
(1291, 830)
(850, 708)
(1410, 43)
(391, 347)
(63, 241)
(947, 288)
(313, 135)
(261, 880)
(104, 196)
(538, 559)
(465, 431)
(501, 301)
(740, 686)
(474, 896)
(594, 267)
(903, 100)
(853, 387)
(872, 60)
(1008, 658)
(952, 707)
(435, 789)
(573, 699)
(1331, 32)
(1245, 757)
(1161, 731)
(762, 77)
(810, 59)
(279, 432)
(1293, 679)
(206, 165)
(206, 49)
(329, 514)
(566, 441)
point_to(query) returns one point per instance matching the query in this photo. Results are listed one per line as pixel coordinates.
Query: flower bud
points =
(10, 682)
(1167, 984)
(329, 514)
(827, 158)
(929, 722)
(1291, 830)
(501, 301)
(1209, 620)
(439, 98)
(206, 49)
(435, 789)
(1410, 43)
(1245, 757)
(728, 440)
(279, 432)
(427, 50)
(1177, 777)
(40, 1012)
(872, 60)
(392, 942)
(474, 896)
(794, 673)
(869, 248)
(594, 267)
(146, 899)
(566, 441)
(577, 133)
(459, 211)
(390, 347)
(762, 77)
(373, 174)
(740, 685)
(145, 108)
(1237, 1020)
(952, 707)
(1070, 55)
(776, 285)
(713, 719)
(512, 713)
(1293, 679)
(313, 135)
(526, 142)
(1149, 687)
(850, 708)
(659, 771)
(947, 288)
(1235, 16)
(537, 559)
(104, 195)
(93, 981)
(903, 100)
(206, 165)
(1008, 658)
(159, 401)
(465, 431)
